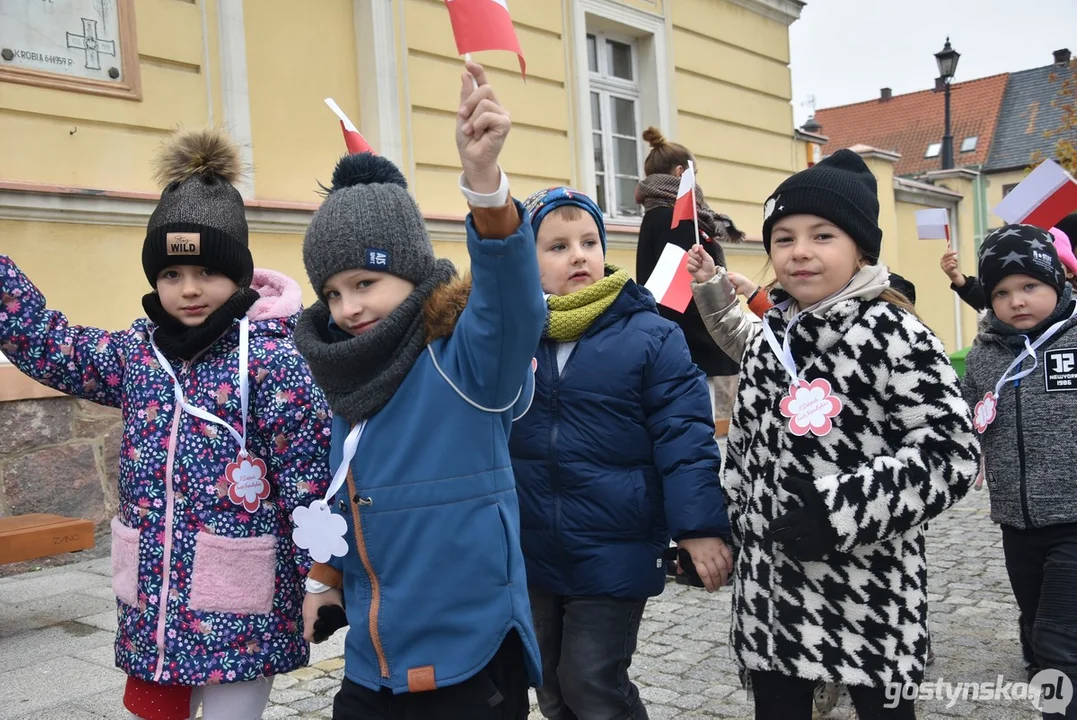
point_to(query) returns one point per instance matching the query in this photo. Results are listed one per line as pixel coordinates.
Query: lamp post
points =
(947, 60)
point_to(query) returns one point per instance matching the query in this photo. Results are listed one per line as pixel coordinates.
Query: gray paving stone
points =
(36, 688)
(36, 646)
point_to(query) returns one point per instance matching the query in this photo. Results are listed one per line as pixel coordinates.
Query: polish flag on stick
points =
(352, 137)
(685, 207)
(933, 224)
(1043, 198)
(670, 282)
(484, 25)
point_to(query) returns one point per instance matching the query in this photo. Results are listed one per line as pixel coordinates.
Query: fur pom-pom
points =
(208, 152)
(366, 169)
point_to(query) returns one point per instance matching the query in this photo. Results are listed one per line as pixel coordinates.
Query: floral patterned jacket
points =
(208, 591)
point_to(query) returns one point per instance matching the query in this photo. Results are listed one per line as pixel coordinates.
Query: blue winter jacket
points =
(438, 579)
(616, 454)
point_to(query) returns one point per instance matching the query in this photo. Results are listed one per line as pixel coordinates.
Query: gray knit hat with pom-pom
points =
(369, 220)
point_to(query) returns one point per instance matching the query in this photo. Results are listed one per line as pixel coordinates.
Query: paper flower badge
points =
(810, 407)
(247, 484)
(320, 532)
(985, 413)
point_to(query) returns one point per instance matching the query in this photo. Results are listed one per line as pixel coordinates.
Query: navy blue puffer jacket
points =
(616, 454)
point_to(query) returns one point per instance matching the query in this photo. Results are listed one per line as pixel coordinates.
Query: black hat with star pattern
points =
(1019, 250)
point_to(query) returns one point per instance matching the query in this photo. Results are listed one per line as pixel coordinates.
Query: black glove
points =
(805, 533)
(330, 619)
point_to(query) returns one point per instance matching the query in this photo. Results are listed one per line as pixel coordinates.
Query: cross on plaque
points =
(89, 42)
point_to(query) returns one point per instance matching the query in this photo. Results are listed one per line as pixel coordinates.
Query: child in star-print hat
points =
(1020, 250)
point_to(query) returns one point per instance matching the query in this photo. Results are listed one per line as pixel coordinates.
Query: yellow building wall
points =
(69, 138)
(995, 183)
(296, 59)
(732, 92)
(538, 153)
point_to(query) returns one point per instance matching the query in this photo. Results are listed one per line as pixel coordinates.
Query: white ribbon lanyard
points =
(317, 529)
(810, 406)
(986, 410)
(351, 444)
(244, 398)
(782, 352)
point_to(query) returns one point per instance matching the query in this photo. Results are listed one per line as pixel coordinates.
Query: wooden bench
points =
(27, 537)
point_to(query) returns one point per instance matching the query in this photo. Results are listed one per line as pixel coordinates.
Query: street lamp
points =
(947, 60)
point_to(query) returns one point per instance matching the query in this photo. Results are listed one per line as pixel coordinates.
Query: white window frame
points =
(654, 77)
(975, 141)
(937, 147)
(608, 86)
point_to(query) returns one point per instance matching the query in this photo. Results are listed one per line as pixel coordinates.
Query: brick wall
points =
(59, 455)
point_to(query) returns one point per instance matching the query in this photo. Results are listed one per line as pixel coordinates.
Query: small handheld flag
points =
(933, 224)
(352, 137)
(670, 282)
(484, 25)
(1043, 198)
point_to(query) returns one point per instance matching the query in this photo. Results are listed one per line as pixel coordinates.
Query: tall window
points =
(615, 117)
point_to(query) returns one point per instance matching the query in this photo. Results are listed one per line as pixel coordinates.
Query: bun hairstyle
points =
(665, 156)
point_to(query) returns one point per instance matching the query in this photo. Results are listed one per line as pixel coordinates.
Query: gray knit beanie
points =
(368, 220)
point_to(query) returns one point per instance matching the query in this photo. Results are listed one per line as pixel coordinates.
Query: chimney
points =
(885, 94)
(1062, 57)
(940, 84)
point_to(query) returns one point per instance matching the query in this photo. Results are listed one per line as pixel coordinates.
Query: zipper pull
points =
(362, 501)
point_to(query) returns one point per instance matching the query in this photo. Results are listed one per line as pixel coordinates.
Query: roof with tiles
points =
(909, 124)
(1030, 107)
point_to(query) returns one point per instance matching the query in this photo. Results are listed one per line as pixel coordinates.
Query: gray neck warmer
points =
(360, 374)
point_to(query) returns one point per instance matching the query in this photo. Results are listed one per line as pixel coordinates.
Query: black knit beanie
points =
(840, 189)
(200, 219)
(1019, 250)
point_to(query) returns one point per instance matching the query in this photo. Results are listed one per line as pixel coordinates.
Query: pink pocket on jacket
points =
(234, 575)
(124, 562)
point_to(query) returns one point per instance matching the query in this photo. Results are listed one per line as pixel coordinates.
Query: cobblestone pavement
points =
(684, 666)
(57, 625)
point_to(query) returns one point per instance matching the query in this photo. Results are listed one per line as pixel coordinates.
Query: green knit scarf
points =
(570, 315)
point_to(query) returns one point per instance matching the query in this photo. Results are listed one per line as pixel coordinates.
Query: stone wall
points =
(59, 455)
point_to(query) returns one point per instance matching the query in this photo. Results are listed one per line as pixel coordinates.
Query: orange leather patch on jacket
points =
(421, 679)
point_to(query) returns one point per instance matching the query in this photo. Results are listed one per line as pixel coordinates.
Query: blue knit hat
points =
(539, 205)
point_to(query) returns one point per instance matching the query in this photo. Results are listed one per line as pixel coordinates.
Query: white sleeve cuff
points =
(486, 200)
(315, 587)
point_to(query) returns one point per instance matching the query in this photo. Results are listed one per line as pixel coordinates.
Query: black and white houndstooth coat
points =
(900, 453)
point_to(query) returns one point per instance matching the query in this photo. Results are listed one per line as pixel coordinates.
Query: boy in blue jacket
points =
(424, 373)
(615, 456)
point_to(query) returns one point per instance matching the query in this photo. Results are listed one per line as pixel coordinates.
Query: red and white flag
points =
(933, 224)
(670, 282)
(1043, 198)
(484, 25)
(352, 137)
(685, 207)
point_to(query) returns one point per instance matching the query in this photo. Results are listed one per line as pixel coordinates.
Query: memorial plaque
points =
(83, 45)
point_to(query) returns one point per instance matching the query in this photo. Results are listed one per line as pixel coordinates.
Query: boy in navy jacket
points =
(616, 455)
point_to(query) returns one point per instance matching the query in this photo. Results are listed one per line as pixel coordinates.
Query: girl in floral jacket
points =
(213, 459)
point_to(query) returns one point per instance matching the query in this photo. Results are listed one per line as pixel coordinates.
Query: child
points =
(616, 454)
(220, 443)
(1024, 358)
(424, 389)
(969, 288)
(657, 192)
(849, 434)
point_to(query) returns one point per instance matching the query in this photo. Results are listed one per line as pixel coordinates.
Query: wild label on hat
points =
(179, 243)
